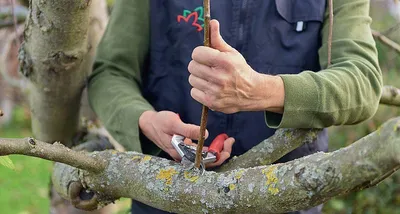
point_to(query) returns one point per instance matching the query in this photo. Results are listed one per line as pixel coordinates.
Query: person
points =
(267, 68)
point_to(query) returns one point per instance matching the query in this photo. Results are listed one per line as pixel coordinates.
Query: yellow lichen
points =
(273, 190)
(239, 174)
(232, 186)
(146, 158)
(166, 175)
(190, 176)
(136, 157)
(114, 152)
(272, 180)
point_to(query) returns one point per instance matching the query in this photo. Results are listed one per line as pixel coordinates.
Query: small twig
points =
(386, 41)
(390, 96)
(204, 113)
(53, 152)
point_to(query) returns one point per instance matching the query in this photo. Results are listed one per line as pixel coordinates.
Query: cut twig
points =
(204, 113)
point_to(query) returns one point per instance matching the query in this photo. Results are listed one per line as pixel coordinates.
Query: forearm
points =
(348, 91)
(118, 106)
(114, 86)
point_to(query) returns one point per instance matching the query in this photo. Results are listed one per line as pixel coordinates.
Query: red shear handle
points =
(217, 145)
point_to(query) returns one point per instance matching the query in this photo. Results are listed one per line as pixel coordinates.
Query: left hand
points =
(223, 81)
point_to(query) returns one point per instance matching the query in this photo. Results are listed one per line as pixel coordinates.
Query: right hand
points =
(159, 127)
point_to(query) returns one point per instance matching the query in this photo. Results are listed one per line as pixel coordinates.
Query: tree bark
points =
(55, 43)
(295, 185)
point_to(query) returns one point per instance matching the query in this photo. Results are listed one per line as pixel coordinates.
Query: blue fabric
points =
(268, 35)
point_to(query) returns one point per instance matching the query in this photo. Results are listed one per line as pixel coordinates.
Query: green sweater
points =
(347, 92)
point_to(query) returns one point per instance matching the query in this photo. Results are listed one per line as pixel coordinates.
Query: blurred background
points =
(25, 190)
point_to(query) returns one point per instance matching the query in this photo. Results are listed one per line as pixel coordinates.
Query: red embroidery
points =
(187, 18)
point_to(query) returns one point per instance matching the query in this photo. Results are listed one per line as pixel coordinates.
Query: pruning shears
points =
(188, 152)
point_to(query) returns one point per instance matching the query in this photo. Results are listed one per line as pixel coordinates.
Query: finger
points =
(203, 71)
(206, 56)
(228, 143)
(224, 156)
(188, 130)
(189, 142)
(217, 41)
(174, 155)
(199, 96)
(202, 84)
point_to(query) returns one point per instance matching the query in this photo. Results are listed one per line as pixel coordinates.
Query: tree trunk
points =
(55, 44)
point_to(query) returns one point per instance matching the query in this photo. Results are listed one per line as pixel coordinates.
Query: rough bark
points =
(272, 149)
(295, 185)
(55, 43)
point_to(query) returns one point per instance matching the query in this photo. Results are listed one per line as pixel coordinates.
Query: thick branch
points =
(386, 41)
(390, 96)
(272, 149)
(54, 152)
(295, 185)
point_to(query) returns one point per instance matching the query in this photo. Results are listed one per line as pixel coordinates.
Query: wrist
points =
(270, 93)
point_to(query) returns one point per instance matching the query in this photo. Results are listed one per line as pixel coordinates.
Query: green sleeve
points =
(348, 91)
(114, 86)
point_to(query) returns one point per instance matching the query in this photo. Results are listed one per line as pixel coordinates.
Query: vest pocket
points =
(297, 11)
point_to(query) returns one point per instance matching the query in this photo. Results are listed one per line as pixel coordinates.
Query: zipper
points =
(240, 44)
(242, 22)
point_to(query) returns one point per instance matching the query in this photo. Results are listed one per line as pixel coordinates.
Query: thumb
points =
(217, 42)
(189, 130)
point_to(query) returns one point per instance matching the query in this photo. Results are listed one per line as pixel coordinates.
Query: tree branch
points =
(54, 152)
(272, 149)
(385, 40)
(279, 188)
(164, 184)
(390, 96)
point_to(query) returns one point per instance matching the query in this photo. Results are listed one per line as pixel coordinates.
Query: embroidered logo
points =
(193, 18)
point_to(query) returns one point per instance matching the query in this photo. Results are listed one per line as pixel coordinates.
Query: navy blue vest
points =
(275, 37)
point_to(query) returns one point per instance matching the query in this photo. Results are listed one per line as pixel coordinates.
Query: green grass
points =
(25, 189)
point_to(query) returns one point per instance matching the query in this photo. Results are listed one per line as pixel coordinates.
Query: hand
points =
(159, 127)
(223, 81)
(224, 155)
